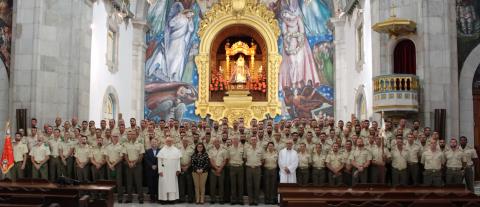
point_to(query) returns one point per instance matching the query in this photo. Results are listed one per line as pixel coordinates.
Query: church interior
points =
(250, 102)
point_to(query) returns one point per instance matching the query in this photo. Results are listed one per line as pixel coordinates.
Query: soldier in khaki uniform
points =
(114, 153)
(66, 154)
(335, 163)
(433, 159)
(270, 173)
(40, 154)
(253, 155)
(236, 174)
(134, 151)
(55, 166)
(82, 159)
(347, 172)
(20, 153)
(414, 153)
(400, 157)
(218, 160)
(185, 181)
(380, 155)
(455, 162)
(472, 158)
(360, 159)
(98, 161)
(304, 160)
(318, 165)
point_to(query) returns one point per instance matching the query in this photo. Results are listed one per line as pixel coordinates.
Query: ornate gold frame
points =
(260, 18)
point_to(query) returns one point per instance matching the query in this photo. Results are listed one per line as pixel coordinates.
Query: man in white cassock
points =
(288, 163)
(168, 170)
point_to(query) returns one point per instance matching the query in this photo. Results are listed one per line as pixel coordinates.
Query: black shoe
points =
(140, 201)
(221, 202)
(212, 202)
(128, 201)
(120, 201)
(251, 203)
(255, 204)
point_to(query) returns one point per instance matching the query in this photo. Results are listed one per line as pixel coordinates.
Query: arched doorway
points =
(404, 58)
(476, 104)
(466, 105)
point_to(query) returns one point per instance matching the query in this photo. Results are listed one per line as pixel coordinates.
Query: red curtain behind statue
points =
(405, 58)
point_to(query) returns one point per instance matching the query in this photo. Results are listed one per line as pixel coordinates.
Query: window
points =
(359, 48)
(404, 58)
(361, 107)
(109, 107)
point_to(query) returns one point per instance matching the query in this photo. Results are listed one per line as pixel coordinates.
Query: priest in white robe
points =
(168, 170)
(288, 163)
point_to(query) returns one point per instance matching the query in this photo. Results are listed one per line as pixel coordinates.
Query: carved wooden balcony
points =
(395, 93)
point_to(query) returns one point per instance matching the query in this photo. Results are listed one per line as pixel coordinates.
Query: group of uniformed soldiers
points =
(345, 154)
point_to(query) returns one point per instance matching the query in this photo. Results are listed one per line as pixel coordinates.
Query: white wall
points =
(101, 78)
(349, 75)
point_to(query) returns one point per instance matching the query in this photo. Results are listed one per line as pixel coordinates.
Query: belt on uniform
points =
(319, 168)
(270, 168)
(18, 162)
(412, 163)
(235, 165)
(432, 170)
(454, 168)
(54, 156)
(303, 168)
(254, 166)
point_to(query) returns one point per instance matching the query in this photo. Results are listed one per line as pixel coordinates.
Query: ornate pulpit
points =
(242, 70)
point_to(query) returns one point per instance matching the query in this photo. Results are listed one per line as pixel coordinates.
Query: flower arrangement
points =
(218, 83)
(259, 85)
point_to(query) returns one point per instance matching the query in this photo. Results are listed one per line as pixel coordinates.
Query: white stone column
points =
(138, 62)
(51, 59)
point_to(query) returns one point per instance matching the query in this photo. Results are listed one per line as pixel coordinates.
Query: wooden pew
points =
(373, 195)
(65, 195)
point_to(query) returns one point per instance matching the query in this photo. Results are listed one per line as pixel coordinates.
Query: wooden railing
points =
(395, 83)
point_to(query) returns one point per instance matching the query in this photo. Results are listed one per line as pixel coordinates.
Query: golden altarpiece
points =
(238, 62)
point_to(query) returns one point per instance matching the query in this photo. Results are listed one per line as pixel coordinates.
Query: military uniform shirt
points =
(455, 158)
(470, 154)
(253, 156)
(133, 150)
(217, 155)
(360, 156)
(82, 153)
(318, 160)
(400, 158)
(433, 160)
(114, 152)
(304, 159)
(335, 159)
(54, 145)
(98, 153)
(187, 153)
(39, 152)
(271, 159)
(235, 155)
(414, 152)
(18, 151)
(377, 153)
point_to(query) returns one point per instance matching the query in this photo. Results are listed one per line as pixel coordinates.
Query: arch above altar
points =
(228, 15)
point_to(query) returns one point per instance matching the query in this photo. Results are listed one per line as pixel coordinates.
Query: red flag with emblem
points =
(7, 155)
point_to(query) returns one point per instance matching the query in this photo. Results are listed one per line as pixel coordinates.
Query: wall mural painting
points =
(6, 32)
(306, 44)
(468, 28)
